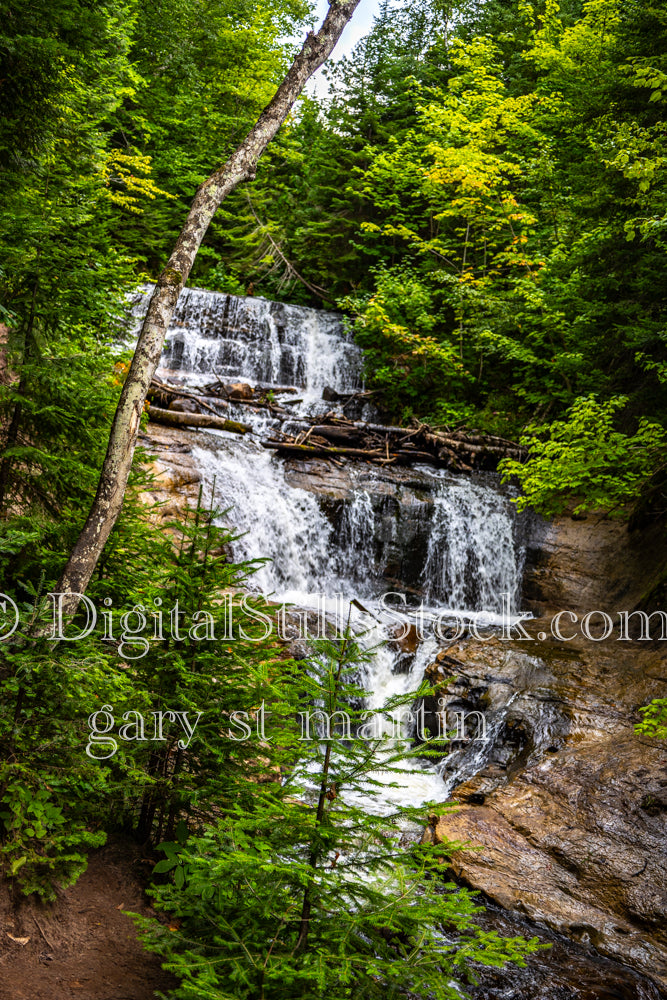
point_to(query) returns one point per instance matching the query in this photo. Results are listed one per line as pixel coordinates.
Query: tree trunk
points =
(174, 419)
(239, 167)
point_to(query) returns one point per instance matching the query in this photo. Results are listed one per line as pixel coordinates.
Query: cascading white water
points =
(227, 336)
(354, 543)
(470, 557)
(283, 525)
(420, 783)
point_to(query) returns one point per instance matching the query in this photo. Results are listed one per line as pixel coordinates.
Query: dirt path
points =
(83, 946)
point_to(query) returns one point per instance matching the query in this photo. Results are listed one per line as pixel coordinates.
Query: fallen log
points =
(385, 443)
(474, 444)
(264, 387)
(330, 395)
(381, 455)
(410, 457)
(382, 428)
(173, 419)
(260, 404)
(493, 448)
(308, 450)
(213, 403)
(260, 388)
(161, 388)
(354, 427)
(484, 439)
(336, 432)
(483, 449)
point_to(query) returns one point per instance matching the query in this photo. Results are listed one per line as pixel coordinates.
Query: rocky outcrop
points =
(411, 518)
(402, 501)
(592, 563)
(564, 808)
(566, 818)
(174, 478)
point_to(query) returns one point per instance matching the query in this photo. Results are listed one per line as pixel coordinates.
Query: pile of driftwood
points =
(334, 437)
(331, 435)
(215, 398)
(178, 407)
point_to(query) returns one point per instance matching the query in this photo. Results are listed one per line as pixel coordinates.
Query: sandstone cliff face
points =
(567, 818)
(175, 476)
(589, 563)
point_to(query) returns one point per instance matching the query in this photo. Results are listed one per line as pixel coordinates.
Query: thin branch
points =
(315, 289)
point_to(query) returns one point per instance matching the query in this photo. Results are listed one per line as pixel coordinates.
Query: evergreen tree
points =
(301, 890)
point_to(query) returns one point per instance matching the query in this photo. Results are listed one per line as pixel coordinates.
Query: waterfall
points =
(452, 536)
(419, 784)
(355, 541)
(472, 555)
(282, 525)
(229, 337)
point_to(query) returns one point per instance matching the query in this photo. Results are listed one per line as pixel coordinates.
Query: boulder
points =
(565, 818)
(184, 406)
(239, 390)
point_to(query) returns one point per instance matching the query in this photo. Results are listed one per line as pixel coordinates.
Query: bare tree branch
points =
(292, 272)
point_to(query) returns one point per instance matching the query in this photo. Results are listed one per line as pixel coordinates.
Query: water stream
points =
(451, 543)
(468, 553)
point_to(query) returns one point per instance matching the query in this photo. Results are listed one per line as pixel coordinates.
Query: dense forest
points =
(480, 189)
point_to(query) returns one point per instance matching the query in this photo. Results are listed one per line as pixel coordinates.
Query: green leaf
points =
(164, 866)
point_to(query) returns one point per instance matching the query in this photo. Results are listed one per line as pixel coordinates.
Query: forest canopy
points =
(480, 187)
(482, 190)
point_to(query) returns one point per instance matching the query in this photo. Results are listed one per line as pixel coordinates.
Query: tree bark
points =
(314, 450)
(174, 419)
(240, 167)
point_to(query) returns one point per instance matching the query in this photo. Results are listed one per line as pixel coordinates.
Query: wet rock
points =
(408, 642)
(216, 402)
(298, 650)
(239, 390)
(568, 805)
(175, 486)
(562, 971)
(655, 802)
(525, 878)
(585, 565)
(184, 406)
(174, 474)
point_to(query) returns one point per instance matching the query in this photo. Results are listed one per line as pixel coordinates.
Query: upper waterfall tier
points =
(259, 341)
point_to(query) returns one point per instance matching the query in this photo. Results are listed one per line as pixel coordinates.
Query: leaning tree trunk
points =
(239, 167)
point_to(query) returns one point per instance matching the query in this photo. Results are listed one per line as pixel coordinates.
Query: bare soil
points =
(82, 946)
